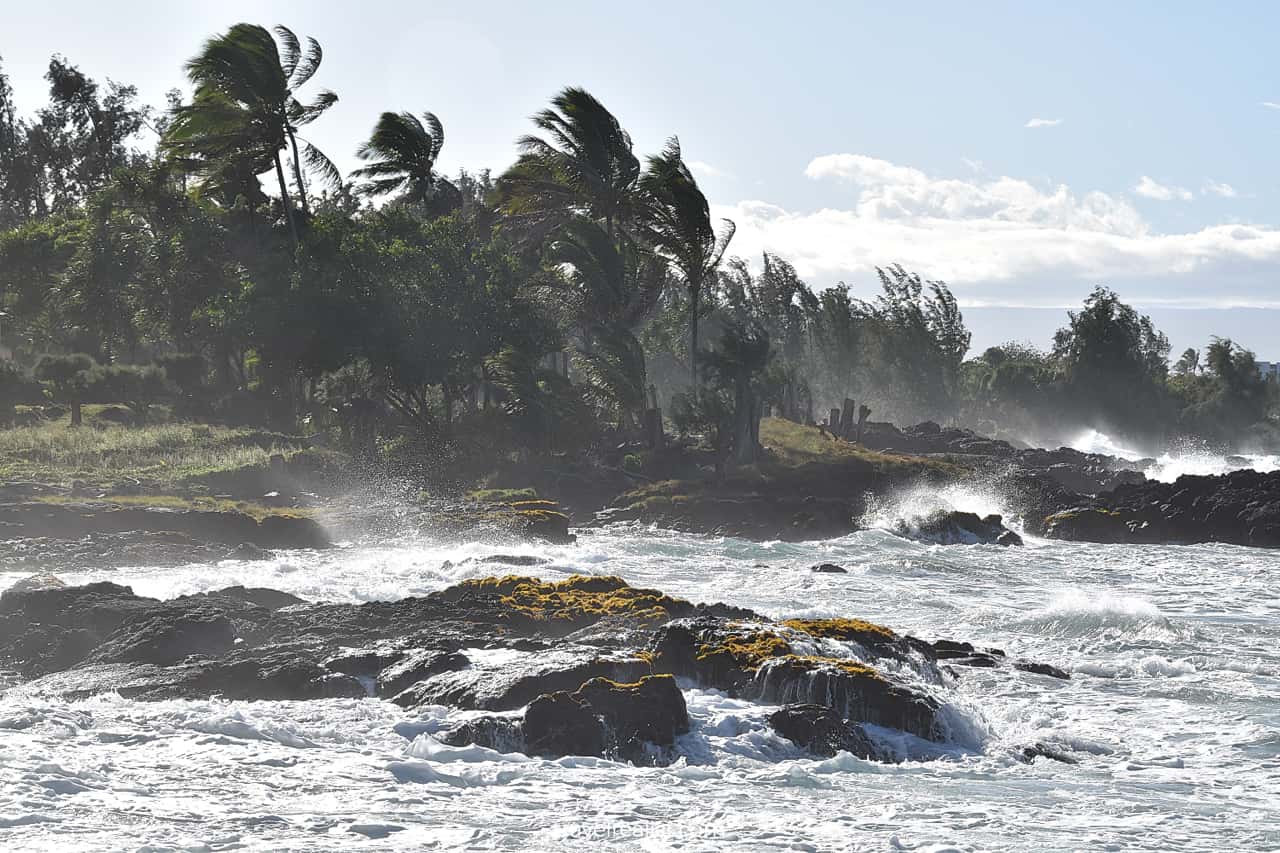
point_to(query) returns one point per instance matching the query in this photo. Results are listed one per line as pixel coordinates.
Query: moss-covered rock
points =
(578, 600)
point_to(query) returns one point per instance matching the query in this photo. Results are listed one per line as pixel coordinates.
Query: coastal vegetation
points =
(206, 274)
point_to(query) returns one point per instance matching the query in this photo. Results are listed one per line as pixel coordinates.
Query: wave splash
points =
(907, 508)
(1176, 462)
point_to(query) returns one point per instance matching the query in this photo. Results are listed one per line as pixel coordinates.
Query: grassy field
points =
(800, 460)
(793, 445)
(160, 455)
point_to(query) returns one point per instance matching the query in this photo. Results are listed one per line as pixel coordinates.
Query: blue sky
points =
(1020, 152)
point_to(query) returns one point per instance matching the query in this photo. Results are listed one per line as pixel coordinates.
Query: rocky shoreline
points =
(588, 665)
(1062, 494)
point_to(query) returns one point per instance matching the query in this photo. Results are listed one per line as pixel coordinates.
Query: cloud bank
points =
(1043, 122)
(1003, 240)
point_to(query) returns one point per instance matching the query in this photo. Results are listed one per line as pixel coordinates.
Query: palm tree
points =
(738, 363)
(246, 107)
(614, 287)
(402, 154)
(584, 168)
(1189, 363)
(678, 226)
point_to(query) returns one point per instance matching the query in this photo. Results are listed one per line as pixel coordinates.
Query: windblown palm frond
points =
(585, 166)
(402, 155)
(245, 104)
(615, 371)
(677, 223)
(615, 282)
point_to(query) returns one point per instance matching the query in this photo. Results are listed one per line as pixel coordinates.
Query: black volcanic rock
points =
(954, 527)
(1241, 508)
(591, 661)
(821, 731)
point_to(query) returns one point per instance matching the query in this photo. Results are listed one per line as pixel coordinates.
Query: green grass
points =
(794, 445)
(157, 455)
(800, 460)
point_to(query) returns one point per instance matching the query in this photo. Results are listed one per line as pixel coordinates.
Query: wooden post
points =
(864, 412)
(846, 419)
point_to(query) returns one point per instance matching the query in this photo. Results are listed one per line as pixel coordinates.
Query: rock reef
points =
(588, 665)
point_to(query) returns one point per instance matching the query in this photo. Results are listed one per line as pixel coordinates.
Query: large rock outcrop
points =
(581, 666)
(1241, 508)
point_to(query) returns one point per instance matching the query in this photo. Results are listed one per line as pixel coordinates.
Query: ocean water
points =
(1172, 711)
(1175, 462)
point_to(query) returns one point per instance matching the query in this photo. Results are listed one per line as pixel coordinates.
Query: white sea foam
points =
(1170, 467)
(1176, 462)
(1174, 653)
(1093, 441)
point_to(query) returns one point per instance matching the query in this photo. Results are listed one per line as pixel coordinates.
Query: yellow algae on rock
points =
(745, 650)
(578, 598)
(847, 630)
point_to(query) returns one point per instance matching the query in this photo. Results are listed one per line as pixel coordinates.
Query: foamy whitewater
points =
(1172, 464)
(1173, 711)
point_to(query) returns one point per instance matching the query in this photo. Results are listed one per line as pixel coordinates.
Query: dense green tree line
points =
(211, 255)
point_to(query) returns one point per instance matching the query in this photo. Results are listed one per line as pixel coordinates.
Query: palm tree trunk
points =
(284, 201)
(695, 294)
(446, 392)
(297, 172)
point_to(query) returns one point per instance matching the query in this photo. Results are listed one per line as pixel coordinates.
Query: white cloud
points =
(705, 170)
(1043, 122)
(1271, 105)
(998, 238)
(1150, 189)
(1219, 189)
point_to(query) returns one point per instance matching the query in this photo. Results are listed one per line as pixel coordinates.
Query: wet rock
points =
(1241, 508)
(49, 628)
(591, 658)
(821, 731)
(504, 679)
(543, 520)
(953, 527)
(264, 674)
(166, 637)
(77, 520)
(829, 569)
(503, 734)
(271, 599)
(239, 675)
(1091, 478)
(416, 666)
(1041, 669)
(635, 722)
(1043, 750)
(650, 711)
(39, 581)
(248, 552)
(854, 691)
(951, 649)
(1086, 524)
(559, 724)
(978, 660)
(363, 664)
(522, 560)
